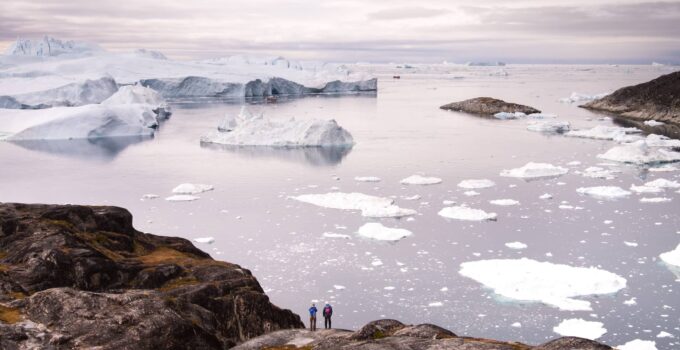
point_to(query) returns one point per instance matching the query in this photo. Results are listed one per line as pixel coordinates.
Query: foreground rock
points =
(82, 277)
(488, 106)
(393, 335)
(658, 99)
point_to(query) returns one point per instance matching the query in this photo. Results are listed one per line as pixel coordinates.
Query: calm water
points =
(399, 132)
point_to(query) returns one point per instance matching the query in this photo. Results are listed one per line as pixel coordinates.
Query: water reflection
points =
(315, 156)
(103, 149)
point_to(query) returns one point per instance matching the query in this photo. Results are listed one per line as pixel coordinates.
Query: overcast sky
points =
(555, 31)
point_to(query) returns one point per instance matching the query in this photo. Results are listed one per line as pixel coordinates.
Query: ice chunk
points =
(370, 206)
(542, 116)
(672, 257)
(604, 192)
(645, 189)
(421, 180)
(149, 196)
(546, 196)
(377, 231)
(555, 126)
(552, 284)
(654, 140)
(504, 202)
(663, 183)
(335, 235)
(509, 115)
(533, 170)
(188, 188)
(516, 245)
(640, 152)
(207, 240)
(664, 334)
(663, 168)
(577, 327)
(435, 304)
(476, 183)
(367, 179)
(579, 97)
(655, 199)
(598, 173)
(261, 131)
(182, 198)
(653, 123)
(471, 193)
(466, 214)
(602, 132)
(638, 344)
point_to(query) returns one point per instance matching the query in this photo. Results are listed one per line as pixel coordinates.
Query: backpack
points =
(327, 311)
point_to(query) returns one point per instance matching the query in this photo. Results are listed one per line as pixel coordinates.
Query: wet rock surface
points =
(394, 335)
(658, 99)
(488, 106)
(81, 277)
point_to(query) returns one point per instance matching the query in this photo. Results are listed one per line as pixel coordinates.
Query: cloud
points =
(407, 13)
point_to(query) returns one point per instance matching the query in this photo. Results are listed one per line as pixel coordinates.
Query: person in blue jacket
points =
(327, 313)
(312, 317)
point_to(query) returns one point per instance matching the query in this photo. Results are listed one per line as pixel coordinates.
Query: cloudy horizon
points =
(525, 31)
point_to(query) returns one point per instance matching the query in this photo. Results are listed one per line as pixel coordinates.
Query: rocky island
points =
(75, 277)
(658, 100)
(488, 106)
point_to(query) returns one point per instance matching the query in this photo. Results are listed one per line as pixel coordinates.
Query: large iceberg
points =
(74, 94)
(256, 130)
(640, 153)
(552, 284)
(48, 46)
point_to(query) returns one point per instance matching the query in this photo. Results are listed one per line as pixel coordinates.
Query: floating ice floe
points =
(663, 183)
(639, 152)
(533, 170)
(516, 245)
(663, 334)
(370, 206)
(509, 115)
(663, 168)
(546, 196)
(367, 179)
(466, 214)
(251, 130)
(435, 304)
(646, 189)
(653, 123)
(549, 126)
(541, 116)
(654, 140)
(207, 240)
(672, 257)
(552, 284)
(655, 199)
(602, 132)
(604, 192)
(182, 198)
(471, 193)
(579, 97)
(476, 183)
(504, 202)
(599, 173)
(335, 235)
(377, 231)
(420, 180)
(577, 327)
(188, 188)
(71, 95)
(638, 344)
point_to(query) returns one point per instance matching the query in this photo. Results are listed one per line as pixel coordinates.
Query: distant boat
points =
(396, 77)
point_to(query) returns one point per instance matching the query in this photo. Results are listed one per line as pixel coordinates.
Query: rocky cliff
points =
(658, 99)
(81, 277)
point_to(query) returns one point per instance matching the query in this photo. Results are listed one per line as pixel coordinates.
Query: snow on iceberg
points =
(370, 206)
(602, 132)
(420, 180)
(553, 284)
(249, 130)
(533, 170)
(476, 183)
(188, 188)
(466, 214)
(578, 97)
(549, 126)
(74, 94)
(604, 192)
(640, 153)
(577, 327)
(377, 231)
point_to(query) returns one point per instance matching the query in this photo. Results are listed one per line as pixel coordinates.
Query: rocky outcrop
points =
(81, 277)
(658, 99)
(488, 106)
(394, 335)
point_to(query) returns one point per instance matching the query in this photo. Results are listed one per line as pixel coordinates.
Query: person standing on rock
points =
(327, 313)
(312, 317)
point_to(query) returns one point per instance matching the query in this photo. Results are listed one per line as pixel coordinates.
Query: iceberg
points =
(638, 344)
(476, 183)
(556, 285)
(49, 46)
(640, 153)
(249, 130)
(533, 170)
(206, 240)
(579, 97)
(370, 206)
(516, 245)
(672, 257)
(509, 115)
(654, 140)
(549, 126)
(504, 202)
(663, 183)
(188, 188)
(577, 327)
(602, 132)
(655, 200)
(377, 231)
(182, 198)
(421, 180)
(598, 173)
(645, 189)
(466, 214)
(604, 192)
(74, 94)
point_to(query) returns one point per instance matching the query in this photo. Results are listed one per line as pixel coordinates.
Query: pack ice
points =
(533, 170)
(370, 206)
(247, 129)
(556, 285)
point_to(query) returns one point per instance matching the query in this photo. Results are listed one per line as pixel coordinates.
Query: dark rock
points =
(78, 277)
(567, 343)
(488, 106)
(658, 99)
